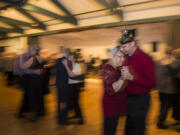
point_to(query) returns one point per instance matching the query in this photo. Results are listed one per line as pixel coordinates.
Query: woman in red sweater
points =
(114, 98)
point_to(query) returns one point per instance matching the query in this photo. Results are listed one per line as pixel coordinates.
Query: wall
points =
(96, 42)
(17, 45)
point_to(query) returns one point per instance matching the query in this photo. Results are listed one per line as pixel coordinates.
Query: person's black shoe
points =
(178, 130)
(41, 114)
(65, 123)
(162, 126)
(21, 116)
(73, 117)
(33, 118)
(80, 122)
(176, 124)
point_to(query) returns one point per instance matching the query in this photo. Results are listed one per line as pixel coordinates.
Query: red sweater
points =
(114, 104)
(142, 67)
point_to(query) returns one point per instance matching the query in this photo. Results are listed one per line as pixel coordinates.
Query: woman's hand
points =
(39, 71)
(117, 86)
(126, 74)
(38, 58)
(27, 63)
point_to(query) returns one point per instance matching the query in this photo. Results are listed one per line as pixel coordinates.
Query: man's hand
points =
(39, 71)
(126, 75)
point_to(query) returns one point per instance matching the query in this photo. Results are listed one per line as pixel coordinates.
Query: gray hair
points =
(64, 50)
(114, 50)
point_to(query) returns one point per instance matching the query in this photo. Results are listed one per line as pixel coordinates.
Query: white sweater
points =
(76, 69)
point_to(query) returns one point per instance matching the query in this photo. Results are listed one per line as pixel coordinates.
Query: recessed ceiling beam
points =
(15, 22)
(33, 8)
(112, 5)
(8, 30)
(61, 7)
(40, 24)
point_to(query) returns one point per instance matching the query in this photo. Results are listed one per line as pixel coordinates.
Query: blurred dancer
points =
(75, 89)
(32, 84)
(176, 80)
(62, 88)
(166, 89)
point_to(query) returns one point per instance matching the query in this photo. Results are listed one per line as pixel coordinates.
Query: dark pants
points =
(63, 97)
(110, 125)
(166, 102)
(33, 97)
(74, 99)
(46, 78)
(176, 108)
(25, 103)
(137, 108)
(62, 113)
(19, 81)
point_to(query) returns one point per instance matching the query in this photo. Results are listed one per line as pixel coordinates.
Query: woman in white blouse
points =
(74, 69)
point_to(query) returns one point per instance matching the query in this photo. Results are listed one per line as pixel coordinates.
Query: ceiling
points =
(38, 17)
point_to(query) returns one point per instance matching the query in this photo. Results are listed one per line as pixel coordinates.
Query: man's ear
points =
(132, 43)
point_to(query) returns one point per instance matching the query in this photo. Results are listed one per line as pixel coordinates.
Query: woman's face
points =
(118, 59)
(33, 52)
(71, 58)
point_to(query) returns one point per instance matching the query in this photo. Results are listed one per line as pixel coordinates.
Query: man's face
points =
(127, 48)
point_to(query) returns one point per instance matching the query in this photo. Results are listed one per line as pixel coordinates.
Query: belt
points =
(135, 95)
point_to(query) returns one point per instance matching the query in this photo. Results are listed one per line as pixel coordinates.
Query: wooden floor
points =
(10, 98)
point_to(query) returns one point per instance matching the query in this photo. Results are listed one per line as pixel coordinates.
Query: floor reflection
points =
(10, 98)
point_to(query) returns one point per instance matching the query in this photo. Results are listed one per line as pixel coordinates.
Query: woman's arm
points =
(39, 58)
(110, 86)
(117, 86)
(26, 64)
(70, 73)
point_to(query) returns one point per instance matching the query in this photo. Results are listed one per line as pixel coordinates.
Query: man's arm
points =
(32, 71)
(146, 76)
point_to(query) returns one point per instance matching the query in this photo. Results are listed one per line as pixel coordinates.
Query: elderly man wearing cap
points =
(138, 70)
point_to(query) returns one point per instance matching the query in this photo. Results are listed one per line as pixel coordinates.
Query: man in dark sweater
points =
(62, 88)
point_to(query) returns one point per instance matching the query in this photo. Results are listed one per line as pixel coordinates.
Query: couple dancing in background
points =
(28, 67)
(69, 79)
(126, 89)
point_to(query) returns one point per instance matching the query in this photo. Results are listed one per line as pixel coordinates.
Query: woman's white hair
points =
(113, 51)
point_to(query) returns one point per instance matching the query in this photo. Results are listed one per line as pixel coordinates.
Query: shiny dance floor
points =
(10, 98)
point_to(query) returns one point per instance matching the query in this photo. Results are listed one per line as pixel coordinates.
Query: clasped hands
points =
(126, 74)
